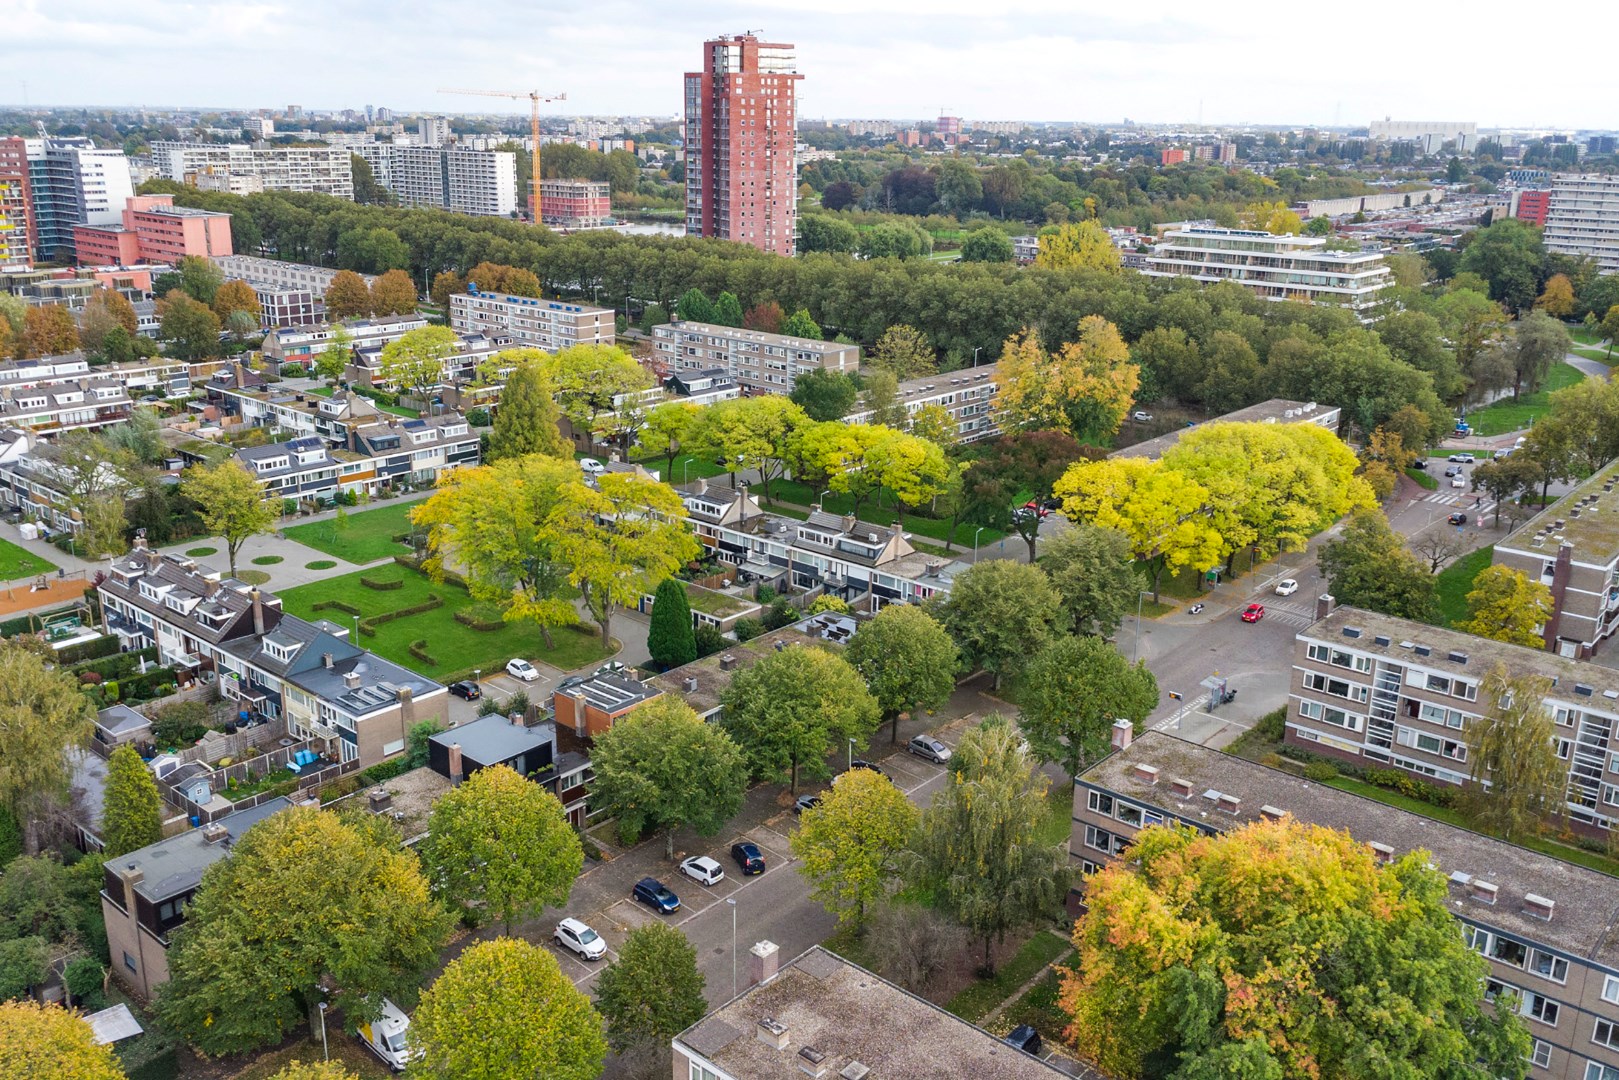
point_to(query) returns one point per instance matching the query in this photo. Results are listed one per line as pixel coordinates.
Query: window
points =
(1606, 1033)
(129, 962)
(698, 1072)
(1101, 804)
(1509, 952)
(1547, 966)
(1477, 940)
(571, 781)
(1088, 867)
(1099, 839)
(1610, 989)
(1597, 1071)
(1540, 1007)
(1130, 815)
(1541, 1055)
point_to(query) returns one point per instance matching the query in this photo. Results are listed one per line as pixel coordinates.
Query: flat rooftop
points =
(1274, 411)
(844, 1012)
(1587, 517)
(714, 673)
(174, 866)
(1586, 902)
(493, 738)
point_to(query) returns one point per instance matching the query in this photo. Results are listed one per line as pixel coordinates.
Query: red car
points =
(1035, 506)
(1253, 613)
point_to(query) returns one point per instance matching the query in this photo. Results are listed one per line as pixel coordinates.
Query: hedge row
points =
(467, 618)
(30, 624)
(448, 576)
(418, 649)
(117, 665)
(368, 627)
(88, 650)
(347, 609)
(382, 586)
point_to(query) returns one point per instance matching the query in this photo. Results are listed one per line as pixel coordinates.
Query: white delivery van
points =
(386, 1037)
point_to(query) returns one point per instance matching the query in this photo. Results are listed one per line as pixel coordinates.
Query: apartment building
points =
(703, 387)
(73, 182)
(1275, 267)
(1531, 205)
(967, 395)
(289, 294)
(481, 182)
(460, 366)
(576, 204)
(301, 344)
(1386, 692)
(1582, 219)
(1545, 926)
(323, 169)
(82, 403)
(740, 129)
(1572, 547)
(17, 238)
(1274, 411)
(527, 321)
(153, 230)
(160, 376)
(760, 363)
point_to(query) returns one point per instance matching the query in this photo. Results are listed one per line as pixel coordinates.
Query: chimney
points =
(702, 486)
(581, 725)
(379, 800)
(455, 763)
(691, 684)
(214, 832)
(728, 662)
(1270, 813)
(517, 720)
(258, 612)
(131, 876)
(1324, 605)
(351, 681)
(773, 1033)
(1485, 891)
(762, 967)
(1381, 852)
(1228, 804)
(1537, 906)
(1123, 732)
(326, 660)
(1147, 774)
(1183, 788)
(848, 523)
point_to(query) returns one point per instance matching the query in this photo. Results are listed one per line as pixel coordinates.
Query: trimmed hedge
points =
(117, 665)
(467, 618)
(338, 605)
(418, 649)
(368, 627)
(382, 586)
(29, 624)
(88, 650)
(386, 770)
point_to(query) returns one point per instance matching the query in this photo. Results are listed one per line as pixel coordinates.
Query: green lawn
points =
(1456, 580)
(1423, 479)
(455, 648)
(16, 562)
(983, 996)
(1591, 352)
(1508, 415)
(685, 468)
(366, 537)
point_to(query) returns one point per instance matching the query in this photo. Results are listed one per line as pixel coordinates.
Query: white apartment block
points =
(968, 396)
(163, 377)
(434, 131)
(759, 362)
(300, 344)
(1275, 267)
(1583, 219)
(481, 182)
(527, 321)
(323, 169)
(46, 410)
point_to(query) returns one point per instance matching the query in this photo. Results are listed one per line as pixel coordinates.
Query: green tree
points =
(1609, 328)
(849, 846)
(230, 501)
(934, 423)
(653, 991)
(1517, 780)
(368, 190)
(528, 419)
(415, 363)
(986, 244)
(334, 360)
(894, 240)
(371, 251)
(598, 389)
(619, 541)
(793, 708)
(1509, 255)
(978, 847)
(1202, 956)
(727, 310)
(1505, 605)
(132, 809)
(25, 964)
(1538, 342)
(753, 433)
(694, 306)
(500, 846)
(464, 1027)
(1083, 245)
(1072, 693)
(200, 279)
(347, 297)
(1094, 576)
(821, 232)
(800, 325)
(667, 426)
(1318, 226)
(671, 639)
(49, 1042)
(1368, 566)
(1000, 614)
(881, 393)
(393, 293)
(1506, 478)
(190, 328)
(905, 352)
(306, 902)
(825, 396)
(907, 660)
(43, 715)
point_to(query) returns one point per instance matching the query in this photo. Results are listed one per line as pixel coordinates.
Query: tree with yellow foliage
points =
(48, 1042)
(1083, 245)
(1274, 218)
(1557, 299)
(1506, 606)
(1084, 389)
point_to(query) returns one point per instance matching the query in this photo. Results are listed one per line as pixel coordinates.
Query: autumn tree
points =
(653, 990)
(1084, 388)
(934, 423)
(751, 433)
(912, 468)
(599, 388)
(347, 297)
(1072, 693)
(231, 503)
(314, 1070)
(308, 908)
(49, 1042)
(1000, 614)
(490, 522)
(189, 326)
(1368, 566)
(907, 661)
(904, 351)
(499, 846)
(1202, 956)
(446, 283)
(1094, 575)
(671, 640)
(415, 363)
(132, 809)
(1557, 298)
(1275, 218)
(1083, 245)
(528, 420)
(43, 715)
(393, 293)
(765, 317)
(792, 708)
(1505, 605)
(500, 278)
(1609, 328)
(849, 846)
(464, 1030)
(619, 541)
(48, 330)
(234, 296)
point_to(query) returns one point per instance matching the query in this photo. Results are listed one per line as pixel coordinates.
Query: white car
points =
(519, 668)
(592, 466)
(581, 939)
(1458, 481)
(1463, 459)
(1141, 417)
(1286, 587)
(703, 870)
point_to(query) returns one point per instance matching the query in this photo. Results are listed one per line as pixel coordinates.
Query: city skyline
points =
(1032, 60)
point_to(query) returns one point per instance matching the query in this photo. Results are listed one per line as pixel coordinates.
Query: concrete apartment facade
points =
(550, 325)
(576, 204)
(92, 402)
(301, 344)
(759, 362)
(1582, 218)
(289, 294)
(740, 129)
(323, 169)
(480, 182)
(1545, 926)
(1275, 267)
(967, 395)
(73, 182)
(153, 230)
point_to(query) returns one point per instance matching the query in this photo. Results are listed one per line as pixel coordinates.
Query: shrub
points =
(780, 613)
(709, 640)
(336, 605)
(748, 629)
(478, 417)
(89, 678)
(368, 627)
(1320, 771)
(1272, 761)
(1272, 727)
(83, 979)
(382, 586)
(765, 594)
(289, 507)
(180, 724)
(418, 649)
(88, 650)
(292, 371)
(110, 688)
(466, 618)
(386, 770)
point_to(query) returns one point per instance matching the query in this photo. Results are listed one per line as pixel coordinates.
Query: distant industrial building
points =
(1582, 219)
(1432, 136)
(480, 182)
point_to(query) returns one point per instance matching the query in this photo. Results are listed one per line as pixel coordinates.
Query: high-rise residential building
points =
(323, 169)
(1583, 219)
(576, 204)
(16, 205)
(1275, 267)
(434, 130)
(260, 127)
(482, 182)
(73, 182)
(741, 126)
(1172, 156)
(153, 230)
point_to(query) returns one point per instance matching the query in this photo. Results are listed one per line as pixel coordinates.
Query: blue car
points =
(656, 895)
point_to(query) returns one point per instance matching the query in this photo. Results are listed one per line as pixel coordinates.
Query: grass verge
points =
(1422, 478)
(17, 562)
(252, 577)
(363, 538)
(1508, 415)
(985, 995)
(1456, 580)
(267, 560)
(320, 564)
(201, 552)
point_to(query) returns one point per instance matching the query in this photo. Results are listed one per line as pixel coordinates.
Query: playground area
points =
(42, 590)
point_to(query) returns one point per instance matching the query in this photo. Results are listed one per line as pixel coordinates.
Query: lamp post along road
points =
(732, 902)
(1135, 651)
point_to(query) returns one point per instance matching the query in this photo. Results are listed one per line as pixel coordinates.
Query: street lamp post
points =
(684, 467)
(1135, 651)
(851, 753)
(821, 498)
(975, 544)
(732, 902)
(976, 350)
(325, 1051)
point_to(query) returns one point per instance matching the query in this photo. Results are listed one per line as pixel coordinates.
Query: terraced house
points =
(81, 403)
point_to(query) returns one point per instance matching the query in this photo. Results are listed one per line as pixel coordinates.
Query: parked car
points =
(519, 668)
(1458, 481)
(581, 939)
(1036, 506)
(466, 688)
(1420, 463)
(748, 857)
(929, 748)
(572, 681)
(1025, 1038)
(1457, 518)
(655, 895)
(1141, 417)
(612, 667)
(1286, 587)
(862, 763)
(806, 802)
(703, 870)
(1253, 613)
(1453, 470)
(592, 466)
(1465, 459)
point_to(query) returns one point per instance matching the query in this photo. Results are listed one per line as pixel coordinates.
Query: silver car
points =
(929, 748)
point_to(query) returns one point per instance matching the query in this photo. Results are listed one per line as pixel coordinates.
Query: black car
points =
(1458, 519)
(1420, 463)
(572, 681)
(862, 763)
(1025, 1038)
(466, 689)
(749, 858)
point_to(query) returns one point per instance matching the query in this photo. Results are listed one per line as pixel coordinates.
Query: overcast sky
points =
(1226, 61)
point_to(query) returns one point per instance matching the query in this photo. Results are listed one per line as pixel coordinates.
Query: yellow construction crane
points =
(534, 97)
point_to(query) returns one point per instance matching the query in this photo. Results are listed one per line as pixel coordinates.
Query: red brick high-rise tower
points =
(741, 126)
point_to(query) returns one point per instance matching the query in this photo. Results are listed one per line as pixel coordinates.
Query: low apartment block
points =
(967, 395)
(289, 294)
(160, 377)
(576, 204)
(1385, 692)
(154, 230)
(761, 363)
(81, 403)
(1275, 267)
(301, 344)
(324, 169)
(460, 366)
(1572, 547)
(1545, 926)
(1582, 219)
(551, 325)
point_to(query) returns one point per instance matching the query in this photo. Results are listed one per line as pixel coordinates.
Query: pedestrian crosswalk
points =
(1462, 499)
(1290, 616)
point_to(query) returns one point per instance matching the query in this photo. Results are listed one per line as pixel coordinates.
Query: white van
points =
(386, 1037)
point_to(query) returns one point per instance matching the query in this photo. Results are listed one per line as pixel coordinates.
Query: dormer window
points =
(278, 650)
